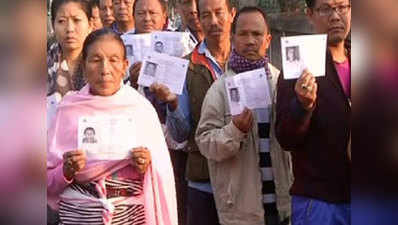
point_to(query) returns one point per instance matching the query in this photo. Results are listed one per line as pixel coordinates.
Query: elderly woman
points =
(134, 186)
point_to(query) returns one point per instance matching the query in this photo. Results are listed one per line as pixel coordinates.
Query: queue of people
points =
(194, 163)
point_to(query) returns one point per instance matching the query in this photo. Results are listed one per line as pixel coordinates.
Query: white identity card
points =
(137, 46)
(171, 43)
(303, 52)
(164, 69)
(107, 137)
(248, 89)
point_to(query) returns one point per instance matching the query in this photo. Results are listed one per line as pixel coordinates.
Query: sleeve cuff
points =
(234, 132)
(174, 114)
(299, 112)
(61, 179)
(68, 181)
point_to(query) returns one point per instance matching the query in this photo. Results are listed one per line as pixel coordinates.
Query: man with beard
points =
(313, 122)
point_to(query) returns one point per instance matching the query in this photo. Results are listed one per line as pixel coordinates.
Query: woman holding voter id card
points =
(124, 176)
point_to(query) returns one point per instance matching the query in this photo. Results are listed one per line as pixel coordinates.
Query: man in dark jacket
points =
(313, 122)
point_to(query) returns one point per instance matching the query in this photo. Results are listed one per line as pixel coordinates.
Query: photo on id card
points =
(303, 52)
(234, 96)
(107, 137)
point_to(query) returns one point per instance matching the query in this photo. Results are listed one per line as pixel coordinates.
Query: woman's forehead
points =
(106, 44)
(70, 9)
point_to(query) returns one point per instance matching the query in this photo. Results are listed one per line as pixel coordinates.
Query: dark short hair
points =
(249, 9)
(163, 3)
(56, 4)
(89, 128)
(229, 4)
(99, 34)
(311, 3)
(94, 4)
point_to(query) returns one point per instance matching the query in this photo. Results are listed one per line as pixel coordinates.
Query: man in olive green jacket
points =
(207, 64)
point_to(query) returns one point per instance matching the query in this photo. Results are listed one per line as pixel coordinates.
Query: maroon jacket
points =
(318, 141)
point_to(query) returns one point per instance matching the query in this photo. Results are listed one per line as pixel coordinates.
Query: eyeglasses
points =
(126, 2)
(327, 10)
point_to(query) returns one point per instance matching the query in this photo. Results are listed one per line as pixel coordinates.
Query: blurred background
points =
(22, 112)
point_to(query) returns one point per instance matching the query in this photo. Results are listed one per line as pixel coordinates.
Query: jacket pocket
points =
(226, 201)
(223, 187)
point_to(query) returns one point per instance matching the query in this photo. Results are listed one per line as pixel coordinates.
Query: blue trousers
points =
(201, 208)
(309, 211)
(372, 210)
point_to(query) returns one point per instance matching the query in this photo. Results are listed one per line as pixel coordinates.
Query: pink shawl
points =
(159, 186)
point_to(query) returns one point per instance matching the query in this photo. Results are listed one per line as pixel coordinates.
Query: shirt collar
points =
(116, 30)
(192, 36)
(203, 49)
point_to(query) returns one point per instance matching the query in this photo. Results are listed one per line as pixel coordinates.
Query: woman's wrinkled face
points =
(105, 66)
(71, 26)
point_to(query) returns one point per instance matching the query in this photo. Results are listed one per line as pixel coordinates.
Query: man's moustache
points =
(216, 29)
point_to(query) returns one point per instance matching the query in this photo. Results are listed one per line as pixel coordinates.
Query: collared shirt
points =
(204, 50)
(192, 36)
(344, 72)
(115, 29)
(176, 126)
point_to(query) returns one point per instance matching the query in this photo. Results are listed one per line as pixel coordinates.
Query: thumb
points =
(153, 87)
(247, 114)
(170, 96)
(246, 111)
